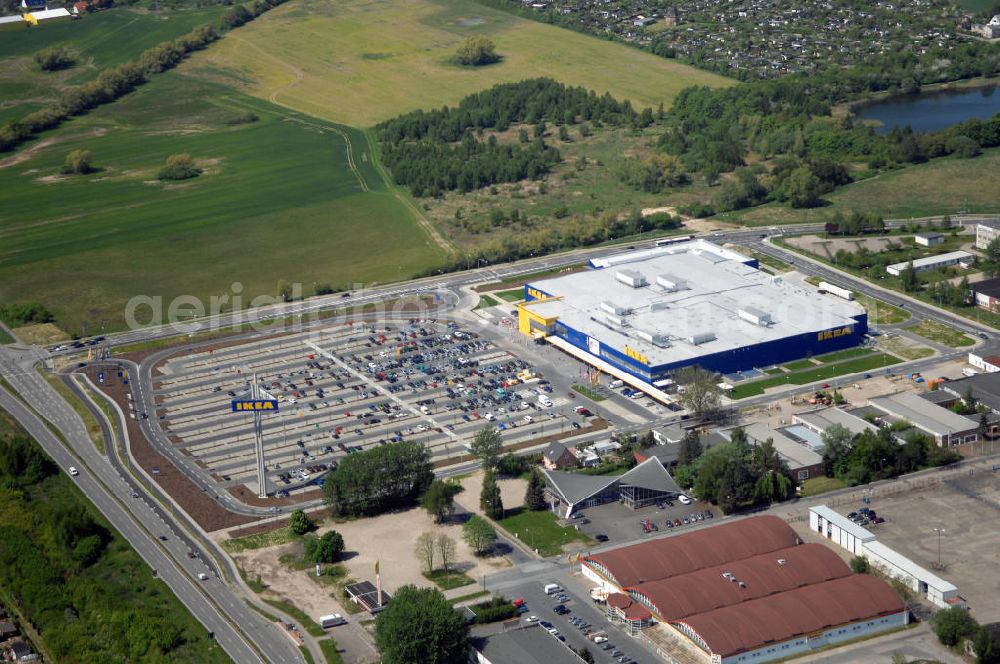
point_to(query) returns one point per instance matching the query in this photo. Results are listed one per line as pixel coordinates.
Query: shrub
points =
(498, 608)
(860, 565)
(78, 162)
(952, 625)
(962, 147)
(54, 59)
(179, 167)
(477, 51)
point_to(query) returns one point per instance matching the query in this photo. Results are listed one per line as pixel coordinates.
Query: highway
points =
(241, 632)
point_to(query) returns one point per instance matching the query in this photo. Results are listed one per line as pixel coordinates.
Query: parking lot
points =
(582, 621)
(347, 389)
(620, 524)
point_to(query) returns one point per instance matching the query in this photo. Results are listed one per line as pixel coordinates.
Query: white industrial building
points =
(822, 419)
(986, 232)
(960, 258)
(947, 428)
(839, 529)
(862, 542)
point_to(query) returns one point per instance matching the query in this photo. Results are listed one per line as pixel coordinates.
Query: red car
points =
(519, 602)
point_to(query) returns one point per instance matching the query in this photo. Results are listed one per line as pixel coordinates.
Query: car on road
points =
(162, 538)
(202, 576)
(601, 537)
(531, 619)
(73, 471)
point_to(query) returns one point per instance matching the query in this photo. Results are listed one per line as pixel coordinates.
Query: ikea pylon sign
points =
(242, 406)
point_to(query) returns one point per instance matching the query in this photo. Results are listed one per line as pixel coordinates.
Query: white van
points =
(545, 401)
(615, 384)
(331, 620)
(552, 588)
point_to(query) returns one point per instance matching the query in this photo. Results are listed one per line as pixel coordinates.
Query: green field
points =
(486, 301)
(942, 334)
(941, 186)
(846, 354)
(99, 40)
(540, 531)
(817, 485)
(281, 198)
(449, 580)
(799, 364)
(806, 376)
(362, 61)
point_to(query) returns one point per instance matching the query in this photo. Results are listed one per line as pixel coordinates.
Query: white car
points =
(529, 419)
(600, 639)
(73, 471)
(531, 619)
(684, 500)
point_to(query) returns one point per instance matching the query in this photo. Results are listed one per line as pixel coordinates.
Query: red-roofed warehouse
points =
(746, 591)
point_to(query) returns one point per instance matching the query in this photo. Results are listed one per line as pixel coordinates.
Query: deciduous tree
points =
(479, 535)
(420, 625)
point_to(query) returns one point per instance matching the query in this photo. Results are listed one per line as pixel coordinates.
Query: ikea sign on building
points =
(266, 404)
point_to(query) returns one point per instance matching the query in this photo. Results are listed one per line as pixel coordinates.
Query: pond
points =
(932, 111)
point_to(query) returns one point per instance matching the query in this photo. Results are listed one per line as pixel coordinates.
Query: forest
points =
(444, 150)
(75, 580)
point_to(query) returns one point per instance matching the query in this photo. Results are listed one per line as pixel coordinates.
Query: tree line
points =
(379, 479)
(713, 130)
(443, 149)
(116, 82)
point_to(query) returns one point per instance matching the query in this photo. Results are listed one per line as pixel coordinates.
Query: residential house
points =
(559, 457)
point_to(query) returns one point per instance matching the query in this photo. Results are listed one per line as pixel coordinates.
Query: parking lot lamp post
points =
(940, 532)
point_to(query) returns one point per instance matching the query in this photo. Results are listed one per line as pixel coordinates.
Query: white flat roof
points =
(718, 286)
(825, 418)
(931, 260)
(843, 523)
(798, 455)
(913, 569)
(923, 414)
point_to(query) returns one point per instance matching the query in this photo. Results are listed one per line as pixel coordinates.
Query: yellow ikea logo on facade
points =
(833, 334)
(537, 294)
(239, 406)
(636, 355)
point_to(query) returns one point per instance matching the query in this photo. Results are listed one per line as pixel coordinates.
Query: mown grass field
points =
(539, 530)
(98, 40)
(941, 186)
(942, 334)
(362, 61)
(810, 375)
(279, 199)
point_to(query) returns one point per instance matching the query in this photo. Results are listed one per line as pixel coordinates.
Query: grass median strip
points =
(823, 372)
(941, 334)
(587, 392)
(307, 623)
(258, 541)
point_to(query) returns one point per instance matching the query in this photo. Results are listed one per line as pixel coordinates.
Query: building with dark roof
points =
(986, 294)
(797, 621)
(557, 456)
(699, 549)
(985, 389)
(746, 591)
(526, 645)
(643, 485)
(717, 587)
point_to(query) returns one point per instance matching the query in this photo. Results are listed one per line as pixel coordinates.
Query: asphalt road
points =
(242, 633)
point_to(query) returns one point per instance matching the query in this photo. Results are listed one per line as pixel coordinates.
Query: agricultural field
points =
(283, 197)
(941, 186)
(359, 62)
(97, 41)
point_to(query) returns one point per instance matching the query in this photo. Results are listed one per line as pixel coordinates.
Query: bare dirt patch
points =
(388, 539)
(40, 334)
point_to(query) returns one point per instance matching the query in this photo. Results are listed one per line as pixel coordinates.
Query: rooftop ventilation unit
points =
(729, 575)
(655, 338)
(616, 320)
(781, 561)
(659, 306)
(755, 316)
(616, 309)
(631, 278)
(701, 338)
(743, 584)
(671, 283)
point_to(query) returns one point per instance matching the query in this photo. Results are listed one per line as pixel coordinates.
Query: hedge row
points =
(116, 82)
